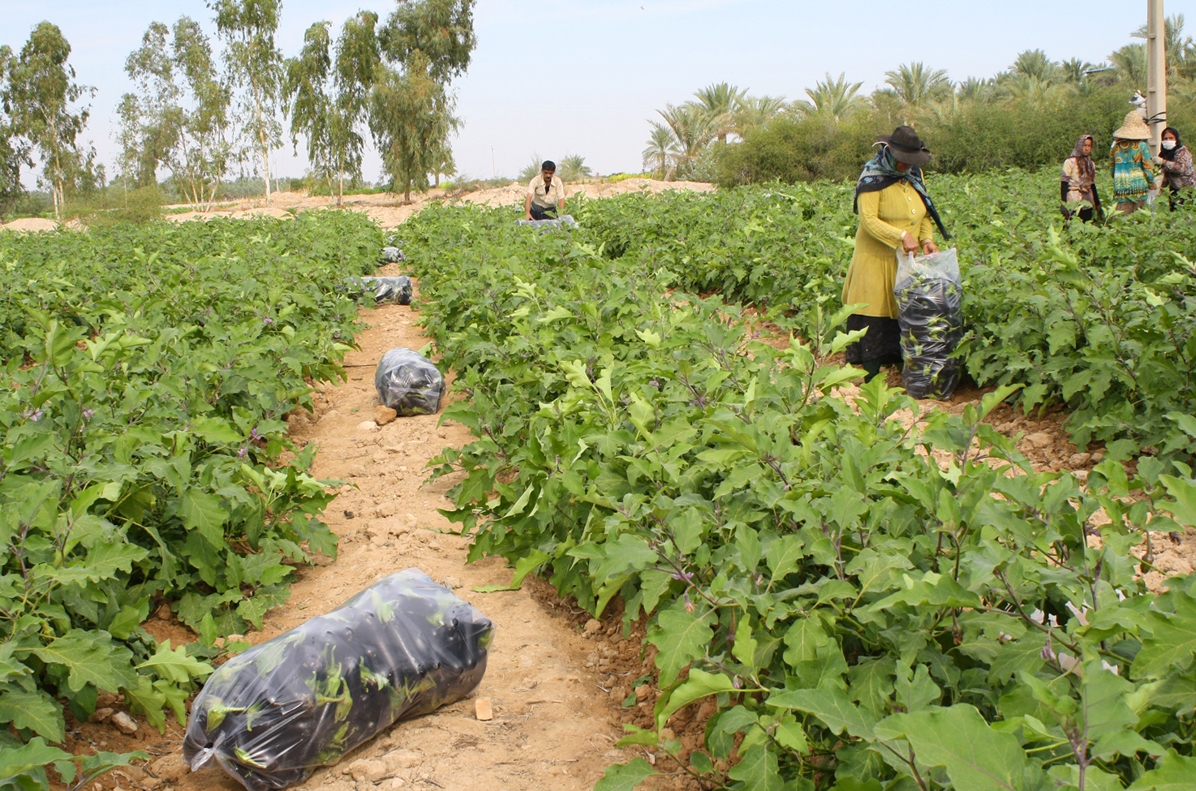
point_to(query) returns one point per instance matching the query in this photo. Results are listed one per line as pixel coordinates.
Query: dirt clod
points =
(384, 415)
(124, 723)
(483, 710)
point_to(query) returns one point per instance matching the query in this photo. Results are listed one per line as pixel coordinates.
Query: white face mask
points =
(1168, 144)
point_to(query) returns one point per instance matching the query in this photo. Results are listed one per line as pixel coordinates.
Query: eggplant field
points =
(875, 594)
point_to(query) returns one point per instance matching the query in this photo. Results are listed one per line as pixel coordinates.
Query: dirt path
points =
(554, 727)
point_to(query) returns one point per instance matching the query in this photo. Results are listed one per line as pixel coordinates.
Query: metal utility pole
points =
(1156, 72)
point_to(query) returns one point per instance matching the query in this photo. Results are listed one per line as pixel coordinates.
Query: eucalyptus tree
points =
(356, 63)
(719, 102)
(424, 45)
(833, 98)
(916, 86)
(326, 93)
(13, 153)
(204, 151)
(151, 119)
(256, 65)
(307, 100)
(410, 113)
(39, 98)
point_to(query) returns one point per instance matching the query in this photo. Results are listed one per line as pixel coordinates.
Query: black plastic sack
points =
(929, 305)
(389, 289)
(391, 255)
(409, 383)
(399, 649)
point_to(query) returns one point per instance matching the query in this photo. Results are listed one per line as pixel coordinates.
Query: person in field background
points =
(1078, 183)
(545, 195)
(1132, 164)
(896, 215)
(1176, 161)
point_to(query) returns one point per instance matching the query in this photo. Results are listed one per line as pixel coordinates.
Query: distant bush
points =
(118, 205)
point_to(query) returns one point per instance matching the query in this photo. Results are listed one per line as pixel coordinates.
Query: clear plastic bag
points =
(929, 303)
(401, 648)
(409, 383)
(564, 221)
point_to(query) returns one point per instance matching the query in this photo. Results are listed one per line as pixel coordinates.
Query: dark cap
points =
(905, 146)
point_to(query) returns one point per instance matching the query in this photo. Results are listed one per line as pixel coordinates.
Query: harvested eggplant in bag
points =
(929, 295)
(409, 383)
(401, 648)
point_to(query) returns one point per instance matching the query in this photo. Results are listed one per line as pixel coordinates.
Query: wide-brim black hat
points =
(905, 146)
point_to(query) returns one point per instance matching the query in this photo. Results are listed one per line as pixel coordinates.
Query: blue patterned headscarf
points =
(881, 171)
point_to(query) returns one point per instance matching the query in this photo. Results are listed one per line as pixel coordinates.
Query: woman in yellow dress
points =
(896, 213)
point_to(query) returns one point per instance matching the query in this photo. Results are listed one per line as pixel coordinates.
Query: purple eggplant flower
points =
(242, 452)
(88, 414)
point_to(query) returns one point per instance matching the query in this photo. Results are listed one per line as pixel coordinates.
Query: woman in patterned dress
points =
(1176, 161)
(1133, 166)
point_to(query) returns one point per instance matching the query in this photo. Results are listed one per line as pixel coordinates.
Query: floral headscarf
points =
(1084, 166)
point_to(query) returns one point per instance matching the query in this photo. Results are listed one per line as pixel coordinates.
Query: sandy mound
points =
(30, 224)
(389, 210)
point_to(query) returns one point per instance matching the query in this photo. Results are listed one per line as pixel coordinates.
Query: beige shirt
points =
(546, 199)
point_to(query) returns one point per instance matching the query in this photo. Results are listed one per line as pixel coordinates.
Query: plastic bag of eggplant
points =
(391, 255)
(929, 304)
(565, 221)
(409, 383)
(387, 289)
(399, 649)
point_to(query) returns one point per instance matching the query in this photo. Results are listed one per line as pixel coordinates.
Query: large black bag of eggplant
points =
(409, 383)
(401, 648)
(929, 305)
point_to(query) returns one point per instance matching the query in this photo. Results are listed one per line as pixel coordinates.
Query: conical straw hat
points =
(1133, 128)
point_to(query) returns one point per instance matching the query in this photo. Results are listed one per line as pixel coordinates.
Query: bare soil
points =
(550, 675)
(390, 210)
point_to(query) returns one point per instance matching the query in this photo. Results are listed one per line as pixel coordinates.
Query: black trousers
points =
(540, 213)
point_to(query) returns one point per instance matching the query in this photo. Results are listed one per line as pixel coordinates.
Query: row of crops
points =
(144, 457)
(871, 606)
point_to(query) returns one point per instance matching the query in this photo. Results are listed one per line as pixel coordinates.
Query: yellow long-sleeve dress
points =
(884, 216)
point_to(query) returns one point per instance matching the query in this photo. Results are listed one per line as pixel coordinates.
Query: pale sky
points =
(585, 76)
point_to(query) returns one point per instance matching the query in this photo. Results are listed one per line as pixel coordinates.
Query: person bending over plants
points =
(896, 213)
(545, 195)
(1078, 183)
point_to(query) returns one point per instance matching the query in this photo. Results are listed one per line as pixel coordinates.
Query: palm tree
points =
(1035, 63)
(916, 86)
(754, 112)
(531, 169)
(693, 128)
(974, 89)
(832, 98)
(573, 167)
(661, 152)
(719, 102)
(1179, 48)
(1075, 71)
(1130, 64)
